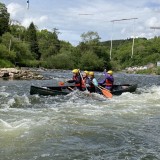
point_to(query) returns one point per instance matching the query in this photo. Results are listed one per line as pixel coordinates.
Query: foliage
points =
(5, 63)
(158, 71)
(147, 71)
(48, 43)
(32, 39)
(17, 50)
(60, 61)
(90, 61)
(4, 19)
(18, 31)
(90, 37)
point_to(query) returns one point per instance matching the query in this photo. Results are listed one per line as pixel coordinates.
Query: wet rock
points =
(19, 74)
(5, 75)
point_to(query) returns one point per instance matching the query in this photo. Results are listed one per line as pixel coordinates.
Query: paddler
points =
(76, 79)
(93, 83)
(108, 80)
(85, 80)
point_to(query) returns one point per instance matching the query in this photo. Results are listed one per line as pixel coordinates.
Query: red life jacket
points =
(109, 83)
(84, 82)
(76, 84)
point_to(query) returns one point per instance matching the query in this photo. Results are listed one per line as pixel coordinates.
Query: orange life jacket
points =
(109, 83)
(76, 84)
(84, 82)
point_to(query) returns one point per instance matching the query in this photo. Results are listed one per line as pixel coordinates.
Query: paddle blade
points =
(61, 83)
(107, 93)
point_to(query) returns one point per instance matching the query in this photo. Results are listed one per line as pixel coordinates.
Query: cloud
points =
(14, 9)
(153, 21)
(39, 21)
(74, 18)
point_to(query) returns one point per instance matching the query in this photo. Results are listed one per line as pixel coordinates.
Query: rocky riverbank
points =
(19, 74)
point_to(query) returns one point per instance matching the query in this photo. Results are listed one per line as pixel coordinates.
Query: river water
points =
(78, 127)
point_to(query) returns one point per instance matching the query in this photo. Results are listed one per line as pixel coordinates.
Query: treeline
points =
(30, 47)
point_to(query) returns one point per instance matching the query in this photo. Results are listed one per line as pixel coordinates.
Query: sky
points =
(72, 18)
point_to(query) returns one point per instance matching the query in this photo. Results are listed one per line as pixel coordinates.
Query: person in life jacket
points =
(108, 80)
(76, 79)
(92, 83)
(85, 80)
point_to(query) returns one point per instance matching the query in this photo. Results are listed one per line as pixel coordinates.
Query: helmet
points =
(110, 72)
(91, 73)
(86, 72)
(75, 71)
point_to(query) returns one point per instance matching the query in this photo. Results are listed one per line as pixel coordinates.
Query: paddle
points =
(105, 92)
(62, 83)
(104, 88)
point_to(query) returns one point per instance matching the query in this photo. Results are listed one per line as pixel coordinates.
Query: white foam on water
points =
(3, 88)
(14, 125)
(11, 102)
(136, 103)
(18, 101)
(45, 155)
(4, 94)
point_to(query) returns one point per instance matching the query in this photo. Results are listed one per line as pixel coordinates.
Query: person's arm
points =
(106, 74)
(102, 81)
(71, 81)
(78, 79)
(94, 81)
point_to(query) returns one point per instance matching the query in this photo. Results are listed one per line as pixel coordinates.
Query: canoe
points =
(119, 89)
(53, 91)
(64, 90)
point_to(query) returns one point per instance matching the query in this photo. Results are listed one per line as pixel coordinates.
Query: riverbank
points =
(20, 74)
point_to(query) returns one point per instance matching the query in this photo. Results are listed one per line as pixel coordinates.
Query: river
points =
(77, 127)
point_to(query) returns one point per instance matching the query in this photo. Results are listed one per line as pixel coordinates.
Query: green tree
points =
(4, 19)
(32, 39)
(48, 43)
(90, 37)
(17, 51)
(18, 31)
(91, 46)
(90, 61)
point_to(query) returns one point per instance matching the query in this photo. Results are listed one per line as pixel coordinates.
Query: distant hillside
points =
(117, 43)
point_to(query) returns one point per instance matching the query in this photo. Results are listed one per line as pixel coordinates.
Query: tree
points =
(48, 43)
(90, 37)
(90, 61)
(17, 51)
(32, 39)
(18, 31)
(4, 19)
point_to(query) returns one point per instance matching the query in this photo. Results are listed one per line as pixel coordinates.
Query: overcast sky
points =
(74, 17)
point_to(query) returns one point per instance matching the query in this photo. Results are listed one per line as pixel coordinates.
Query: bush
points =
(59, 61)
(90, 61)
(146, 71)
(30, 63)
(5, 63)
(158, 71)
